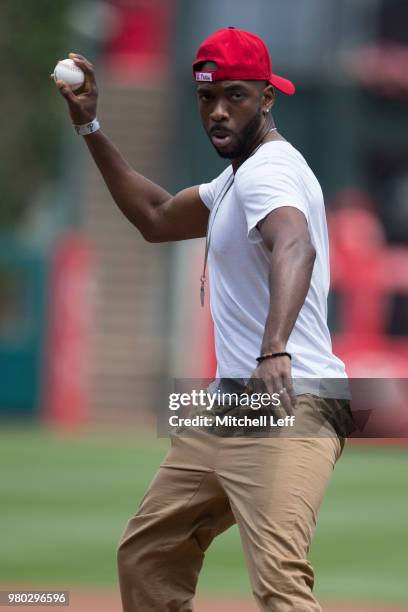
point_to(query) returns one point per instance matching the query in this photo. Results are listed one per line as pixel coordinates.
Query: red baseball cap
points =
(240, 56)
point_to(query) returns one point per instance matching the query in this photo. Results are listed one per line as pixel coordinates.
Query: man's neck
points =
(269, 134)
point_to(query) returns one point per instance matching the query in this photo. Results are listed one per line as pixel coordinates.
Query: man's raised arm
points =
(158, 215)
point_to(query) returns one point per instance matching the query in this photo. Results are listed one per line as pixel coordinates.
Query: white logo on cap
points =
(204, 76)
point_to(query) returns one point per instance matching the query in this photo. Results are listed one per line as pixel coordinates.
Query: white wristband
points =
(87, 128)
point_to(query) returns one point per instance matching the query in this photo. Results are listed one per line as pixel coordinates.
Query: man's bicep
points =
(286, 224)
(182, 217)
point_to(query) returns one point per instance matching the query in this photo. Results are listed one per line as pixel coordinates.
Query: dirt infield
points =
(100, 601)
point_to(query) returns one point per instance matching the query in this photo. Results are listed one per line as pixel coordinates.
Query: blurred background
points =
(94, 321)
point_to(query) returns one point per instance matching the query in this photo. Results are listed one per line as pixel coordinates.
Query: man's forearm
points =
(135, 195)
(289, 280)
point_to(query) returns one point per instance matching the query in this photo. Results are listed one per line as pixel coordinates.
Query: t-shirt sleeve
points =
(209, 191)
(265, 184)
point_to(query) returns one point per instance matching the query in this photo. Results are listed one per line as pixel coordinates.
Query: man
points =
(269, 275)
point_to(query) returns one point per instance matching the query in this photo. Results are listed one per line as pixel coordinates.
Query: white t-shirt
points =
(276, 175)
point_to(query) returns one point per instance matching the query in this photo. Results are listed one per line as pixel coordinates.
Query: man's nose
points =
(219, 111)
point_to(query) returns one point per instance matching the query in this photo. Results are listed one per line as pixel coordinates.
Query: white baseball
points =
(70, 73)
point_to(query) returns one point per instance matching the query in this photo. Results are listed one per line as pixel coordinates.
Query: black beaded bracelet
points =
(273, 356)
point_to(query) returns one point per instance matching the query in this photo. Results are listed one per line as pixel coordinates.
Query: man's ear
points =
(268, 97)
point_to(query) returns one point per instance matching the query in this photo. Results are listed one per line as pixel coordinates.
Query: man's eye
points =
(237, 96)
(204, 97)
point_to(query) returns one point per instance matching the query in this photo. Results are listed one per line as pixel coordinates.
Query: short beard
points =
(243, 142)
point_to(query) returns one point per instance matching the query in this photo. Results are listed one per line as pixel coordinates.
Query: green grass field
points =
(65, 501)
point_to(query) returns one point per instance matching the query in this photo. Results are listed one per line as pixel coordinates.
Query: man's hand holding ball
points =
(76, 82)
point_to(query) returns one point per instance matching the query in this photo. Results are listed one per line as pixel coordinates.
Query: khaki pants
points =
(272, 487)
